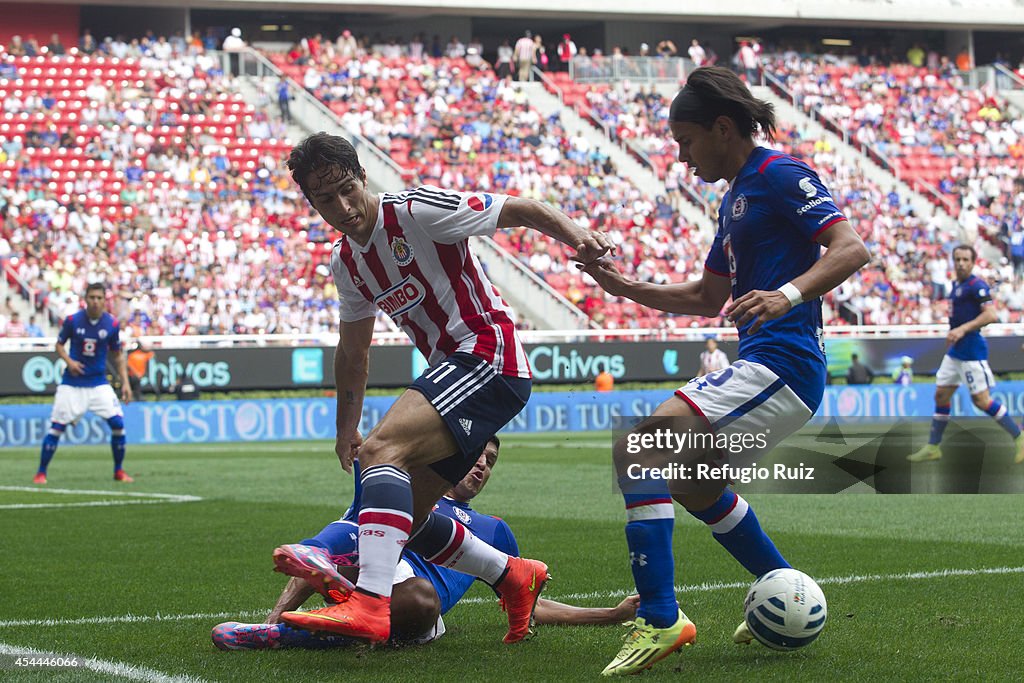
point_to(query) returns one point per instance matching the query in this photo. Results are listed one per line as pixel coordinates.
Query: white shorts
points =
(746, 398)
(976, 374)
(402, 573)
(71, 403)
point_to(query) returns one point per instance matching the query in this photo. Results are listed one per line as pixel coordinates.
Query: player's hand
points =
(75, 367)
(126, 393)
(608, 276)
(347, 449)
(955, 335)
(626, 610)
(593, 246)
(758, 305)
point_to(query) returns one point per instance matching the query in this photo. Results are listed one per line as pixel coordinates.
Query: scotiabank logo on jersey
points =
(403, 297)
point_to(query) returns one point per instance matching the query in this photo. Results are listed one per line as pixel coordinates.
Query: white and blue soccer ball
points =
(785, 609)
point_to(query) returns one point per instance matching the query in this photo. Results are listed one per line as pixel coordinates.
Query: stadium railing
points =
(528, 336)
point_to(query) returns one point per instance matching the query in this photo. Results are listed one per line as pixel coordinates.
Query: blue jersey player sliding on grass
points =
(966, 361)
(423, 592)
(766, 256)
(92, 332)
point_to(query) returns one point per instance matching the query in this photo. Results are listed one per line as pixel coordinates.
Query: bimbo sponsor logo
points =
(401, 298)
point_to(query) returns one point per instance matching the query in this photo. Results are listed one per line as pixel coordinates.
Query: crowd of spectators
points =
(157, 178)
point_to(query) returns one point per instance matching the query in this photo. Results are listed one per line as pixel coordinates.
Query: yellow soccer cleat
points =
(1019, 441)
(647, 645)
(928, 452)
(742, 634)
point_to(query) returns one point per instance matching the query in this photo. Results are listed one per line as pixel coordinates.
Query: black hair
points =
(713, 91)
(495, 440)
(330, 156)
(966, 247)
(96, 285)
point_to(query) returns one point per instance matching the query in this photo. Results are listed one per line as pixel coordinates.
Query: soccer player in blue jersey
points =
(971, 308)
(423, 592)
(766, 255)
(92, 333)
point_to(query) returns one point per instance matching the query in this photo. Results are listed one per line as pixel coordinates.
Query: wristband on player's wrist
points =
(790, 291)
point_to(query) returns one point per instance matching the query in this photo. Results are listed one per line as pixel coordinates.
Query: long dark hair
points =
(328, 155)
(713, 91)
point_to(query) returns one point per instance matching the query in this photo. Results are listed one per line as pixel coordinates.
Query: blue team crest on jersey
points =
(739, 207)
(401, 251)
(462, 515)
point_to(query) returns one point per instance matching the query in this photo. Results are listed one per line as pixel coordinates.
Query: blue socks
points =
(117, 440)
(734, 525)
(939, 421)
(50, 443)
(650, 518)
(999, 413)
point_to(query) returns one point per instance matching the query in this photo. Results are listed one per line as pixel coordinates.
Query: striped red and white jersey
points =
(418, 268)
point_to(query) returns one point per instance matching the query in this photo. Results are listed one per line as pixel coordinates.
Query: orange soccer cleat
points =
(359, 615)
(520, 589)
(121, 475)
(40, 478)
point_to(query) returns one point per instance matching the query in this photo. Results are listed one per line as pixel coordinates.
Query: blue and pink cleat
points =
(232, 635)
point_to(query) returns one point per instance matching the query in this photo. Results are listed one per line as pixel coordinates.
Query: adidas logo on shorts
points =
(467, 424)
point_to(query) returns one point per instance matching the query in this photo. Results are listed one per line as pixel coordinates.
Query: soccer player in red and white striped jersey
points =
(408, 254)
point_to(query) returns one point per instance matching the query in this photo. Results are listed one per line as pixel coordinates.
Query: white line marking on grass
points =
(131, 619)
(134, 498)
(827, 580)
(694, 588)
(119, 669)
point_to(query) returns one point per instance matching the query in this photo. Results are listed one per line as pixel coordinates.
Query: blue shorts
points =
(475, 402)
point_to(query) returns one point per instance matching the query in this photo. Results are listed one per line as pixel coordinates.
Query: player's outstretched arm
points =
(351, 370)
(295, 593)
(702, 297)
(529, 213)
(845, 255)
(555, 613)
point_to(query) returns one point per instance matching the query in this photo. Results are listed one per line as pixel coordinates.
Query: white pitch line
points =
(828, 580)
(119, 669)
(694, 588)
(137, 498)
(91, 492)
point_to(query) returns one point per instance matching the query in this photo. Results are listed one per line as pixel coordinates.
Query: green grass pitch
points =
(141, 584)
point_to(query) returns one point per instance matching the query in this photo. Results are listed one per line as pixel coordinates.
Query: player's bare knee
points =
(380, 451)
(981, 401)
(415, 607)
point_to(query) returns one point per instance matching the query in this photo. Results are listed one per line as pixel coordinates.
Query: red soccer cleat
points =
(520, 590)
(121, 475)
(40, 478)
(313, 565)
(359, 616)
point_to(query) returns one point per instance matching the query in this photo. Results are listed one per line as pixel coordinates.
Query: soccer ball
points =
(785, 609)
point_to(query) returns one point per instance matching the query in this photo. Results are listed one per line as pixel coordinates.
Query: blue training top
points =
(768, 222)
(967, 299)
(90, 341)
